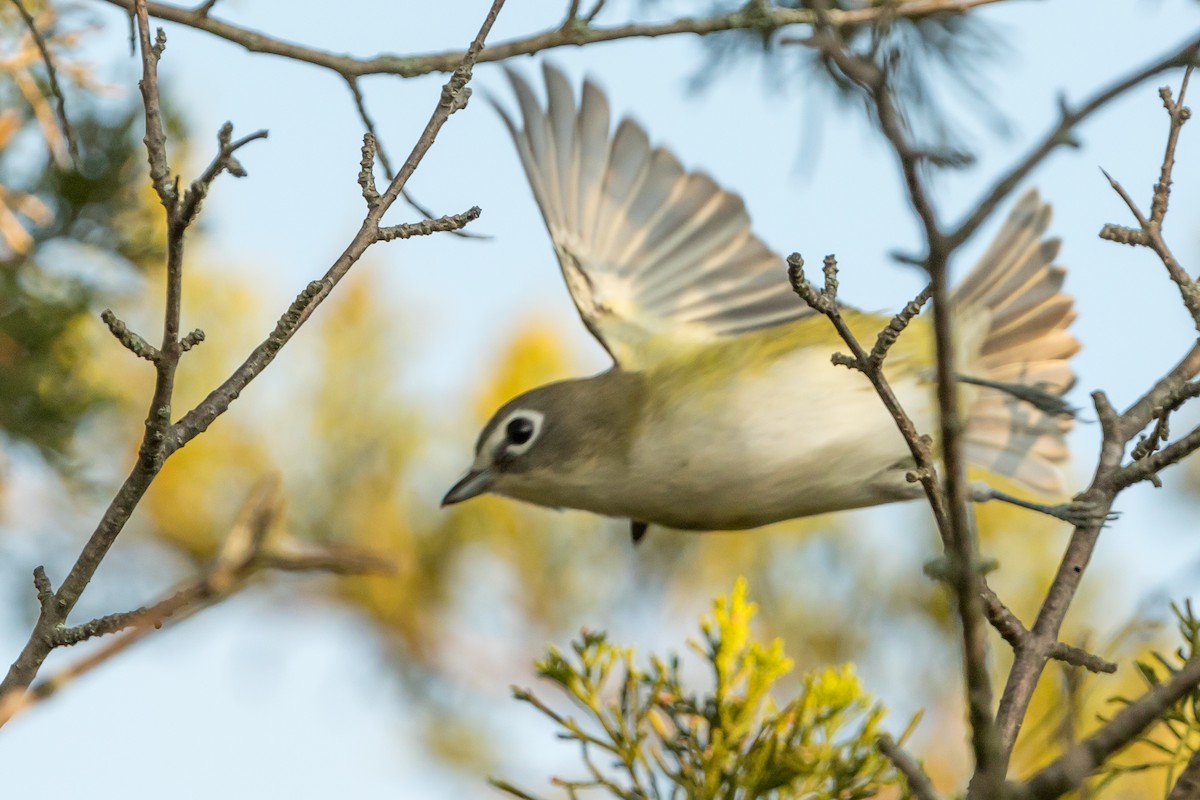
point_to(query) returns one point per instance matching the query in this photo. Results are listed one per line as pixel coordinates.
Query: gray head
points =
(540, 445)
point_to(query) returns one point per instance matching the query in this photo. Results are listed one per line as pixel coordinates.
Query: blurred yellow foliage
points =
(535, 356)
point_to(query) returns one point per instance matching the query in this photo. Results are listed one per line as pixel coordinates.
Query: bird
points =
(723, 409)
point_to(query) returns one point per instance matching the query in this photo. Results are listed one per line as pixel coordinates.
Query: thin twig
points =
(223, 161)
(1061, 134)
(155, 138)
(1013, 631)
(60, 99)
(1179, 114)
(446, 224)
(918, 781)
(129, 339)
(919, 446)
(1110, 477)
(360, 105)
(243, 556)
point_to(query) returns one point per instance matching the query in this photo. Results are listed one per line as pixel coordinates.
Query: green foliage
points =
(1169, 743)
(662, 741)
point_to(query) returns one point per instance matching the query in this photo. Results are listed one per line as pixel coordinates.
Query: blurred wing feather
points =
(1017, 289)
(648, 250)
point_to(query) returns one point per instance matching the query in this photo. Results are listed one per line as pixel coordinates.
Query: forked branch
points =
(163, 436)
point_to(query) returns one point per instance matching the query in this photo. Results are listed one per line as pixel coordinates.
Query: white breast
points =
(802, 437)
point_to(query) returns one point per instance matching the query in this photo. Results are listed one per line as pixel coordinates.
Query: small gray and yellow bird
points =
(722, 409)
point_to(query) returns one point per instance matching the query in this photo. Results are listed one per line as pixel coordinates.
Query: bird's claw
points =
(1079, 512)
(1082, 513)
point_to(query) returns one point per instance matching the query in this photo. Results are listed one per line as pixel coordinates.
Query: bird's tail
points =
(1024, 352)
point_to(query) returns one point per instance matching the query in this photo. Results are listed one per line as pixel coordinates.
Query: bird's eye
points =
(520, 430)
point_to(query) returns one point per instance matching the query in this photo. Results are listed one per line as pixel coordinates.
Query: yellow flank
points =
(675, 364)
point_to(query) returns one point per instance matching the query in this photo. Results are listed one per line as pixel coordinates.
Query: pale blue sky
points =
(268, 711)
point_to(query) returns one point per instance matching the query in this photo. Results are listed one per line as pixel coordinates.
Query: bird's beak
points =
(473, 484)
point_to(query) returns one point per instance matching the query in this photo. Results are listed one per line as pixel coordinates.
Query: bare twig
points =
(1078, 657)
(825, 302)
(1179, 114)
(1118, 430)
(596, 9)
(918, 782)
(756, 16)
(360, 104)
(191, 340)
(1061, 134)
(366, 172)
(1013, 631)
(162, 438)
(1149, 231)
(155, 138)
(243, 556)
(60, 99)
(151, 453)
(888, 336)
(223, 161)
(130, 340)
(954, 519)
(448, 223)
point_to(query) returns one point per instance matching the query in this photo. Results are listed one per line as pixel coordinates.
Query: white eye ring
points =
(502, 438)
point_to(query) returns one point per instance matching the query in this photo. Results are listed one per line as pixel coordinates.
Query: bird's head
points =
(546, 444)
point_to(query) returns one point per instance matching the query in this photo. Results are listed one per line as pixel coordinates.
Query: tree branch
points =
(454, 97)
(1110, 477)
(958, 535)
(244, 555)
(755, 16)
(60, 99)
(1074, 766)
(162, 438)
(1061, 134)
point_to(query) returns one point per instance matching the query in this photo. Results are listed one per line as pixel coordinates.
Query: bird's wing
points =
(649, 250)
(1017, 289)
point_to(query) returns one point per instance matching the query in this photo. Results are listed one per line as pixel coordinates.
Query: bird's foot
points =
(1079, 513)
